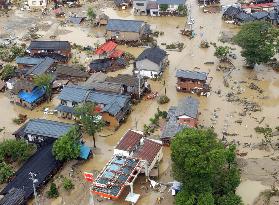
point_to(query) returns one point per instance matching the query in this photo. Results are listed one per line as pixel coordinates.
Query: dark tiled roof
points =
(102, 65)
(188, 74)
(45, 128)
(28, 60)
(232, 11)
(156, 55)
(124, 25)
(42, 67)
(124, 79)
(129, 141)
(148, 151)
(188, 106)
(57, 57)
(49, 45)
(152, 5)
(74, 93)
(105, 87)
(23, 85)
(171, 128)
(260, 15)
(71, 71)
(42, 163)
(95, 77)
(66, 109)
(172, 2)
(244, 17)
(75, 19)
(14, 197)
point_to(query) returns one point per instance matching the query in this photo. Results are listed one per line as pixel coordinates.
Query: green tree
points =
(14, 150)
(52, 192)
(8, 72)
(182, 10)
(91, 14)
(17, 51)
(164, 7)
(68, 184)
(67, 147)
(205, 167)
(6, 172)
(90, 119)
(230, 199)
(45, 81)
(222, 52)
(259, 42)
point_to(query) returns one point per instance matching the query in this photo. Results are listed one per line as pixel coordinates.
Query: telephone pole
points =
(34, 180)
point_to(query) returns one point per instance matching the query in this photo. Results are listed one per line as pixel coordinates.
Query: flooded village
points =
(149, 78)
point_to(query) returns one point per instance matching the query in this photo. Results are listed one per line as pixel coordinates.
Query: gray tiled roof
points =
(156, 55)
(188, 74)
(124, 25)
(46, 128)
(49, 45)
(188, 106)
(74, 93)
(42, 67)
(28, 60)
(260, 14)
(171, 128)
(172, 2)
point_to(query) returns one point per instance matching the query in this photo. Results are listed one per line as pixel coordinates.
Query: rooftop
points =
(42, 67)
(124, 79)
(33, 96)
(26, 60)
(70, 70)
(74, 93)
(49, 45)
(187, 106)
(45, 128)
(129, 141)
(106, 47)
(188, 74)
(124, 25)
(172, 2)
(23, 85)
(155, 54)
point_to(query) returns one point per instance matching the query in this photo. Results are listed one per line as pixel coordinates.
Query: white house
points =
(151, 62)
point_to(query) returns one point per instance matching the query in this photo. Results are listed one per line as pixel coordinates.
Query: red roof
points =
(148, 151)
(116, 54)
(129, 141)
(106, 47)
(252, 6)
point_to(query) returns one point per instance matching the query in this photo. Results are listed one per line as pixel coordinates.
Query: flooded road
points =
(215, 110)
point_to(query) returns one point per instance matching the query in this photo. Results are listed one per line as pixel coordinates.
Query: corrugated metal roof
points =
(124, 25)
(106, 47)
(47, 128)
(129, 141)
(42, 67)
(74, 93)
(188, 74)
(29, 60)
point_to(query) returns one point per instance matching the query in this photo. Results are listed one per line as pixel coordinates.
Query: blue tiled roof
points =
(46, 128)
(171, 2)
(124, 25)
(28, 60)
(188, 106)
(74, 93)
(188, 74)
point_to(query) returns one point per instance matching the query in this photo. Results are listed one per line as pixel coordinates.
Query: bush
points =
(53, 192)
(8, 72)
(6, 172)
(16, 150)
(68, 184)
(163, 99)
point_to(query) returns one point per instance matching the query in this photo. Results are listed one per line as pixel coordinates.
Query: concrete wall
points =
(121, 152)
(148, 68)
(188, 85)
(158, 158)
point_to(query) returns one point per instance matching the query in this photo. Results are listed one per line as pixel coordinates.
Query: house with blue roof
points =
(126, 30)
(114, 107)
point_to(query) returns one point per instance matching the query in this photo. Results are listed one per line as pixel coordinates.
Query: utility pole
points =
(34, 180)
(139, 80)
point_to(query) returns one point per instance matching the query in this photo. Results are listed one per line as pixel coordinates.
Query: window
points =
(140, 4)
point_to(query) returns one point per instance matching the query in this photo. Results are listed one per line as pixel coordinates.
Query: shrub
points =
(53, 192)
(6, 172)
(8, 72)
(68, 184)
(163, 99)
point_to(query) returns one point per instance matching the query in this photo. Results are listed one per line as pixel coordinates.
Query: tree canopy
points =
(259, 42)
(206, 168)
(6, 172)
(91, 14)
(222, 52)
(45, 81)
(8, 72)
(67, 147)
(90, 119)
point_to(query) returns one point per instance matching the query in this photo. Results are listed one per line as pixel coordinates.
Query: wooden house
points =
(192, 82)
(72, 73)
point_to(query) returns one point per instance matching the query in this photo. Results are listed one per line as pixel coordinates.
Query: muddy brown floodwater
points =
(215, 110)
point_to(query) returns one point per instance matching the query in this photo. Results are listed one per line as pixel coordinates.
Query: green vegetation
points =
(91, 15)
(8, 72)
(163, 7)
(6, 172)
(45, 81)
(67, 147)
(9, 53)
(16, 150)
(68, 184)
(259, 42)
(163, 99)
(207, 170)
(90, 119)
(267, 133)
(52, 192)
(154, 122)
(182, 10)
(222, 52)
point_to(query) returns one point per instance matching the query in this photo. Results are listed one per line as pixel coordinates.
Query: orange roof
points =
(252, 6)
(106, 47)
(116, 54)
